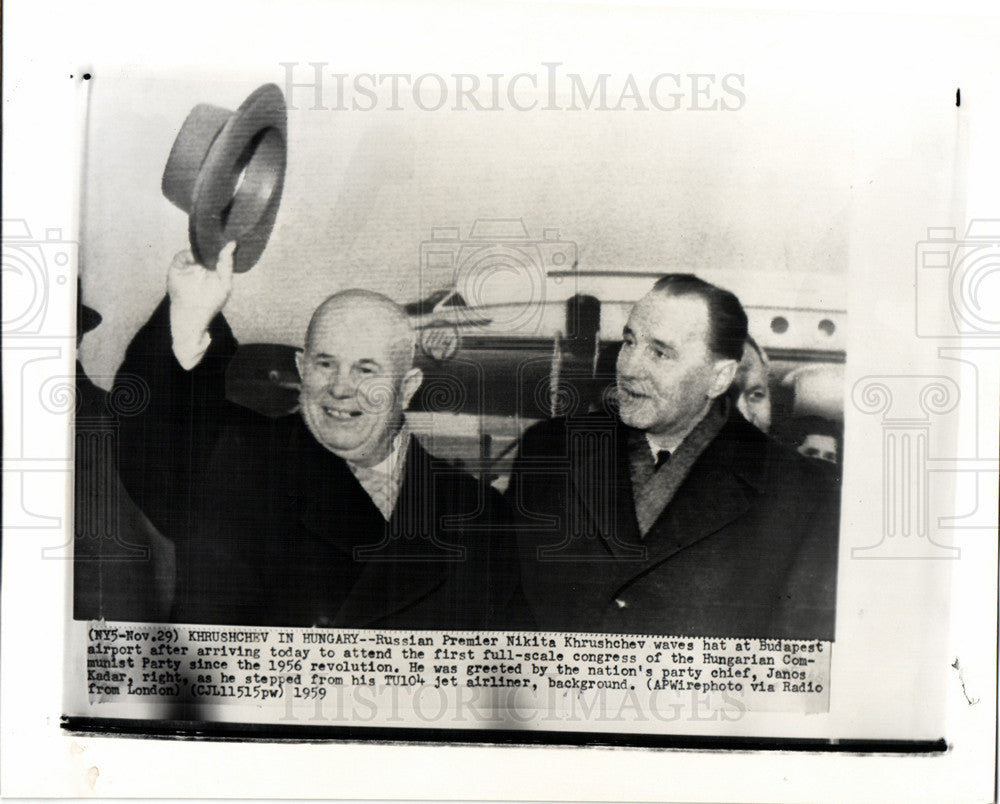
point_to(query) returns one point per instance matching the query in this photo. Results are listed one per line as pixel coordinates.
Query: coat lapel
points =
(330, 503)
(386, 588)
(333, 507)
(605, 525)
(717, 491)
(408, 562)
(707, 500)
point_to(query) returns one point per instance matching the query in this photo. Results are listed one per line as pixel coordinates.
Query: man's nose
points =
(629, 365)
(341, 385)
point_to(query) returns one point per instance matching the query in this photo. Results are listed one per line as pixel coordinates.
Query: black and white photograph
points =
(560, 378)
(570, 450)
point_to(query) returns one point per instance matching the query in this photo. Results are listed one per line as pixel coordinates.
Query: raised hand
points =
(197, 295)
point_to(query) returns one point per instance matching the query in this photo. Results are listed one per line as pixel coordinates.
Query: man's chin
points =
(631, 416)
(339, 445)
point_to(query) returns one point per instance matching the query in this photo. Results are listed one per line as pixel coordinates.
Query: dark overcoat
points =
(746, 548)
(271, 528)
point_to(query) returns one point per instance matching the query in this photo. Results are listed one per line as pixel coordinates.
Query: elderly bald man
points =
(332, 516)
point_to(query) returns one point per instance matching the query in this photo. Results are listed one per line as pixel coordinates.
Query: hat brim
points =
(238, 188)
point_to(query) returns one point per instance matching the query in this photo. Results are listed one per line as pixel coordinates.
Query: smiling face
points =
(357, 375)
(667, 376)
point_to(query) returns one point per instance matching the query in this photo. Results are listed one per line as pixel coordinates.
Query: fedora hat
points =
(226, 170)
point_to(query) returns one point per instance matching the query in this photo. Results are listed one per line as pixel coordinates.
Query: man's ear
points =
(300, 357)
(725, 373)
(410, 384)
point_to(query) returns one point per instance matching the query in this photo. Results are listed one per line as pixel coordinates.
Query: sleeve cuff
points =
(189, 338)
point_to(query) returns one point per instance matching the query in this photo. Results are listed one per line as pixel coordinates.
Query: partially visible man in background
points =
(751, 388)
(123, 569)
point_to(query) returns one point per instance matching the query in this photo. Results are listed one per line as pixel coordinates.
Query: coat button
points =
(621, 603)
